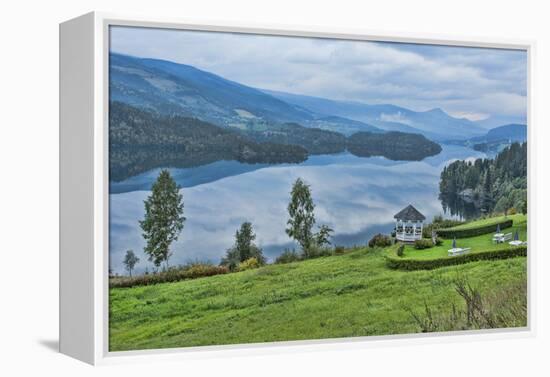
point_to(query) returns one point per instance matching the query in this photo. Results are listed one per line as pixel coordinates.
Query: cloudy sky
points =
(468, 82)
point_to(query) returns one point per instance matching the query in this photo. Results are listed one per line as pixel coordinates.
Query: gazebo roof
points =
(409, 213)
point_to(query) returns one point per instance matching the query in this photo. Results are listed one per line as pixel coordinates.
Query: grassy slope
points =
(350, 295)
(479, 243)
(489, 221)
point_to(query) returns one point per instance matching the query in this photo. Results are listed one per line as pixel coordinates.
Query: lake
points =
(355, 196)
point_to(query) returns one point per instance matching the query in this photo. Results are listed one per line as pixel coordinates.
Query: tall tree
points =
(487, 203)
(163, 221)
(244, 248)
(130, 261)
(301, 216)
(244, 238)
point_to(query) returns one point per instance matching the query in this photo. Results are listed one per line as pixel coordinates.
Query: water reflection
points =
(455, 205)
(357, 197)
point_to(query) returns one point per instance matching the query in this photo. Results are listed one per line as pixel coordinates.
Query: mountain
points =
(497, 138)
(435, 123)
(498, 120)
(343, 125)
(140, 141)
(509, 132)
(169, 88)
(503, 134)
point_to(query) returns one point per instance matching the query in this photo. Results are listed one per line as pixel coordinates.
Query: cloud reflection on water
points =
(355, 196)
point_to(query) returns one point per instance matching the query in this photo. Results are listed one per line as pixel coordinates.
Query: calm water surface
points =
(355, 196)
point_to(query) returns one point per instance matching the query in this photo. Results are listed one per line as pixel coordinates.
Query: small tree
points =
(243, 249)
(130, 261)
(163, 219)
(322, 238)
(301, 217)
(301, 220)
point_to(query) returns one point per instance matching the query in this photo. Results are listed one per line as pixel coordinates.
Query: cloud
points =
(469, 115)
(397, 117)
(421, 77)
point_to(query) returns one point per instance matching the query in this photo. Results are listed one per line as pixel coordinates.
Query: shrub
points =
(471, 232)
(512, 211)
(400, 250)
(423, 244)
(380, 240)
(439, 223)
(201, 270)
(506, 307)
(339, 250)
(429, 264)
(248, 264)
(438, 241)
(190, 271)
(316, 251)
(288, 256)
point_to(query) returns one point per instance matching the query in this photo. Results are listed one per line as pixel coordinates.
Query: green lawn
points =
(478, 243)
(489, 221)
(354, 294)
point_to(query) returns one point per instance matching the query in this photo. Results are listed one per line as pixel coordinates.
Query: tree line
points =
(492, 185)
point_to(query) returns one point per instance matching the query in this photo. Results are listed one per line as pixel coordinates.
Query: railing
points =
(408, 236)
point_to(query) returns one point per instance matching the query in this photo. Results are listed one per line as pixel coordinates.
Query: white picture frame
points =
(84, 200)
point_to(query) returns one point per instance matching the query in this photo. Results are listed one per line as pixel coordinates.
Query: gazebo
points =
(408, 224)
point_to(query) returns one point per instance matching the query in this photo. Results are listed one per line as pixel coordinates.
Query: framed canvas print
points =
(225, 187)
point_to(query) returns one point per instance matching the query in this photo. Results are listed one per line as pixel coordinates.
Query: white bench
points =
(458, 251)
(500, 238)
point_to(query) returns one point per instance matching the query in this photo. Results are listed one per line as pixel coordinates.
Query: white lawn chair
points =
(507, 237)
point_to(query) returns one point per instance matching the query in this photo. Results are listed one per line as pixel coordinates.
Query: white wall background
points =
(29, 185)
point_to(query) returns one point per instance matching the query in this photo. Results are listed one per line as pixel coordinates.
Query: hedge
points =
(471, 232)
(429, 264)
(170, 276)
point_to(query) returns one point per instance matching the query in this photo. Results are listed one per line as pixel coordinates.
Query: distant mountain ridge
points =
(506, 133)
(435, 123)
(498, 120)
(170, 88)
(497, 138)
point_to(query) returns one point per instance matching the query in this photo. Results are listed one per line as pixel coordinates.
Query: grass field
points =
(488, 221)
(478, 243)
(354, 294)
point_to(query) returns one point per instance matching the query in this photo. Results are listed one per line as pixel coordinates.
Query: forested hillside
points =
(315, 140)
(392, 145)
(140, 141)
(497, 184)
